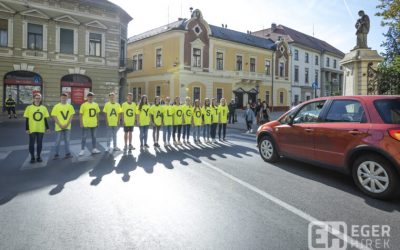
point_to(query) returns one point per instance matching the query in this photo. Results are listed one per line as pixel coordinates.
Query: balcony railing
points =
(126, 64)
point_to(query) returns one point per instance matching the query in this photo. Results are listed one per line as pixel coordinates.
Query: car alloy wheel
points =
(373, 177)
(267, 149)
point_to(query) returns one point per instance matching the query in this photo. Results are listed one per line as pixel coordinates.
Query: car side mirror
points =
(289, 120)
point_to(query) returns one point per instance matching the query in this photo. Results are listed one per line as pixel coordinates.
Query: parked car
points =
(358, 135)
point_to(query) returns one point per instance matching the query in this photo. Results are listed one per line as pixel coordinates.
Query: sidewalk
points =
(241, 124)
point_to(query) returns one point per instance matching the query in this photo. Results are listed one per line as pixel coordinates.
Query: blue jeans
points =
(196, 132)
(186, 131)
(143, 135)
(38, 138)
(206, 131)
(85, 131)
(112, 135)
(167, 133)
(66, 134)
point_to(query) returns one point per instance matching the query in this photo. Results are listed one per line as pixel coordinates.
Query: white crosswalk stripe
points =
(27, 165)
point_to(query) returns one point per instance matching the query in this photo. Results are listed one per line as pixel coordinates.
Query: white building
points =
(315, 64)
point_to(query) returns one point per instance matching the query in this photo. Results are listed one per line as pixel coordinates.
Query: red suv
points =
(359, 135)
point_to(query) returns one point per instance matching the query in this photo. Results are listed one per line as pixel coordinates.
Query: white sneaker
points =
(251, 131)
(95, 151)
(82, 152)
(117, 149)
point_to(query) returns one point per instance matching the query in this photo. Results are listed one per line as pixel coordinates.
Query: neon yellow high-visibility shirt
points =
(197, 116)
(223, 113)
(129, 111)
(156, 112)
(207, 115)
(168, 114)
(144, 115)
(63, 112)
(187, 114)
(112, 111)
(178, 114)
(214, 112)
(89, 112)
(36, 116)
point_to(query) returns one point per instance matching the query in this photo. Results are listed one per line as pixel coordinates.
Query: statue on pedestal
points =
(362, 26)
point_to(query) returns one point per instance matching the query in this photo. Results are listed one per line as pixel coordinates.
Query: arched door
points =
(77, 86)
(21, 85)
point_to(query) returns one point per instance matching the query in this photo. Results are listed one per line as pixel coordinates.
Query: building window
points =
(197, 58)
(158, 57)
(220, 61)
(296, 99)
(219, 94)
(122, 54)
(3, 33)
(252, 64)
(267, 67)
(307, 58)
(334, 63)
(134, 62)
(296, 55)
(327, 62)
(196, 93)
(95, 44)
(306, 76)
(316, 76)
(158, 91)
(296, 73)
(281, 97)
(239, 63)
(316, 60)
(140, 61)
(35, 36)
(137, 94)
(281, 69)
(66, 41)
(267, 96)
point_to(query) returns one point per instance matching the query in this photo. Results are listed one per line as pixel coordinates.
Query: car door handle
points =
(309, 130)
(355, 132)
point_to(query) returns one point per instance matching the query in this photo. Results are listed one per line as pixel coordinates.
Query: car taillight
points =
(395, 133)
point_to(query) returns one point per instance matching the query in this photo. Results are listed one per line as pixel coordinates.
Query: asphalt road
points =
(220, 196)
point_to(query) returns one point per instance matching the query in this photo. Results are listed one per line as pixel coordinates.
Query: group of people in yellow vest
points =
(175, 119)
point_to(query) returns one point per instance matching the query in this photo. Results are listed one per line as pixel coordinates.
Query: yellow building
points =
(193, 58)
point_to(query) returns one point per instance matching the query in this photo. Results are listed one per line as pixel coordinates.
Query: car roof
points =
(359, 97)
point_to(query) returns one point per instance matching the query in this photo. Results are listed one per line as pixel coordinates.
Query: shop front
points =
(77, 87)
(22, 85)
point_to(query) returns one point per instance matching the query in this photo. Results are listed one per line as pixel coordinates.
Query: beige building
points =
(51, 46)
(191, 58)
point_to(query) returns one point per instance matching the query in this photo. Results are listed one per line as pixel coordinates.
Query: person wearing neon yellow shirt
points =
(89, 121)
(178, 119)
(223, 112)
(207, 120)
(62, 114)
(187, 119)
(156, 116)
(214, 119)
(112, 111)
(143, 118)
(168, 115)
(197, 121)
(36, 125)
(128, 120)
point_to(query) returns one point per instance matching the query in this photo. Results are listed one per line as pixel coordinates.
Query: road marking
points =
(28, 166)
(346, 238)
(3, 155)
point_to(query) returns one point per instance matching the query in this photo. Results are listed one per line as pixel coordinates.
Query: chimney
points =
(273, 27)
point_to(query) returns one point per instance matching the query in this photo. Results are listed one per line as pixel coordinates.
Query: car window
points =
(288, 117)
(389, 110)
(309, 113)
(346, 111)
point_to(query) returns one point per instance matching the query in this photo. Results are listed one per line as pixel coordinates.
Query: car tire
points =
(382, 185)
(267, 149)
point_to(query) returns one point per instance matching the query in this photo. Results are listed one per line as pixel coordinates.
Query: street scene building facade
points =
(53, 46)
(315, 63)
(191, 58)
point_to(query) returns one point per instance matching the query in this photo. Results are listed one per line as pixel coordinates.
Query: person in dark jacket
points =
(232, 109)
(10, 106)
(249, 117)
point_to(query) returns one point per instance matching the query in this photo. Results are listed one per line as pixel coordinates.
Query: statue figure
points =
(362, 26)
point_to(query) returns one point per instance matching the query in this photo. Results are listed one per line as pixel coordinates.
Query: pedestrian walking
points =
(128, 120)
(156, 118)
(178, 120)
(187, 119)
(62, 114)
(206, 110)
(223, 111)
(10, 106)
(232, 110)
(112, 110)
(89, 121)
(265, 115)
(197, 121)
(143, 118)
(36, 125)
(168, 114)
(249, 117)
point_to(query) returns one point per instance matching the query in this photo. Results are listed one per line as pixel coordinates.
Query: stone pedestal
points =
(355, 68)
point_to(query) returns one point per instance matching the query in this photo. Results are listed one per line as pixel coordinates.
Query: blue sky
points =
(333, 20)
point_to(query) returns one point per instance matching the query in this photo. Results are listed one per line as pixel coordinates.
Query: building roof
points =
(294, 36)
(217, 32)
(109, 5)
